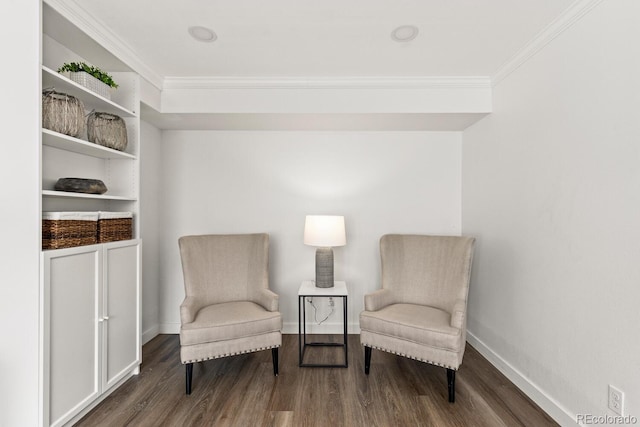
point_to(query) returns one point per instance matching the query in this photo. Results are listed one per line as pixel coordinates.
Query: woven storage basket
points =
(62, 113)
(108, 130)
(113, 226)
(68, 229)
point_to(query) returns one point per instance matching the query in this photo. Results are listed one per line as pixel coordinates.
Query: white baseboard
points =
(548, 404)
(150, 334)
(169, 328)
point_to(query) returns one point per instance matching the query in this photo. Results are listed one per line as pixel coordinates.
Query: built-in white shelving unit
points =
(91, 299)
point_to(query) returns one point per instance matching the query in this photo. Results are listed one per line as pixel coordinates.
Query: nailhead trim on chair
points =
(410, 357)
(184, 362)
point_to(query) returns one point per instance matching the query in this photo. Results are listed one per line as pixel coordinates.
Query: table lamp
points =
(324, 232)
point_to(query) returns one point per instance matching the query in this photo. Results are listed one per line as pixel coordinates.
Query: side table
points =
(308, 289)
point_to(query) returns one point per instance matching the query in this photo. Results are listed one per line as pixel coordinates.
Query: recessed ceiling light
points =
(404, 33)
(202, 34)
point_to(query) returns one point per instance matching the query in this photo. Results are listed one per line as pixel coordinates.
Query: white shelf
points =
(80, 146)
(53, 193)
(52, 79)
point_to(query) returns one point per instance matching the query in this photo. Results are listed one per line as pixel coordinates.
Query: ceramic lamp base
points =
(324, 268)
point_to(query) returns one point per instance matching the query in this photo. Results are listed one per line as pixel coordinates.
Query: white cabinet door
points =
(71, 287)
(91, 315)
(121, 311)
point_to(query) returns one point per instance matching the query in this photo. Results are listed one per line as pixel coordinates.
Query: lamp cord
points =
(315, 312)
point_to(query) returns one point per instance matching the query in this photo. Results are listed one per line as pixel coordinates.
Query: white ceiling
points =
(327, 38)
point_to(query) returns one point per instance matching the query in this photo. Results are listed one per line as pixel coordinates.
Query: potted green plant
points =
(93, 78)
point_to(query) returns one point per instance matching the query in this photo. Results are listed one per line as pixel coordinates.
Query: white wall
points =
(150, 199)
(237, 182)
(20, 215)
(551, 188)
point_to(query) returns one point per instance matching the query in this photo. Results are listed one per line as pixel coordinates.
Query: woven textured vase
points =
(324, 268)
(108, 130)
(62, 113)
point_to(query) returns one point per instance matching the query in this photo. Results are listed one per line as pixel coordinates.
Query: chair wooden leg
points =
(367, 359)
(451, 381)
(189, 375)
(274, 356)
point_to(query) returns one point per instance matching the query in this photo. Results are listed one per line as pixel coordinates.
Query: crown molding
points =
(570, 16)
(73, 11)
(326, 82)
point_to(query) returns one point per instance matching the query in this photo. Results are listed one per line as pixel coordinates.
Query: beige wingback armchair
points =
(228, 308)
(420, 312)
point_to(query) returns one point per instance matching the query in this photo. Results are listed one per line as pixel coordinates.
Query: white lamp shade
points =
(324, 231)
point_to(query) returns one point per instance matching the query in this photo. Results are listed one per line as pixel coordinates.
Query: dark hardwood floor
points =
(242, 391)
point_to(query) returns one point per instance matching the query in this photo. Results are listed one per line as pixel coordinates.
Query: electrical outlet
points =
(616, 400)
